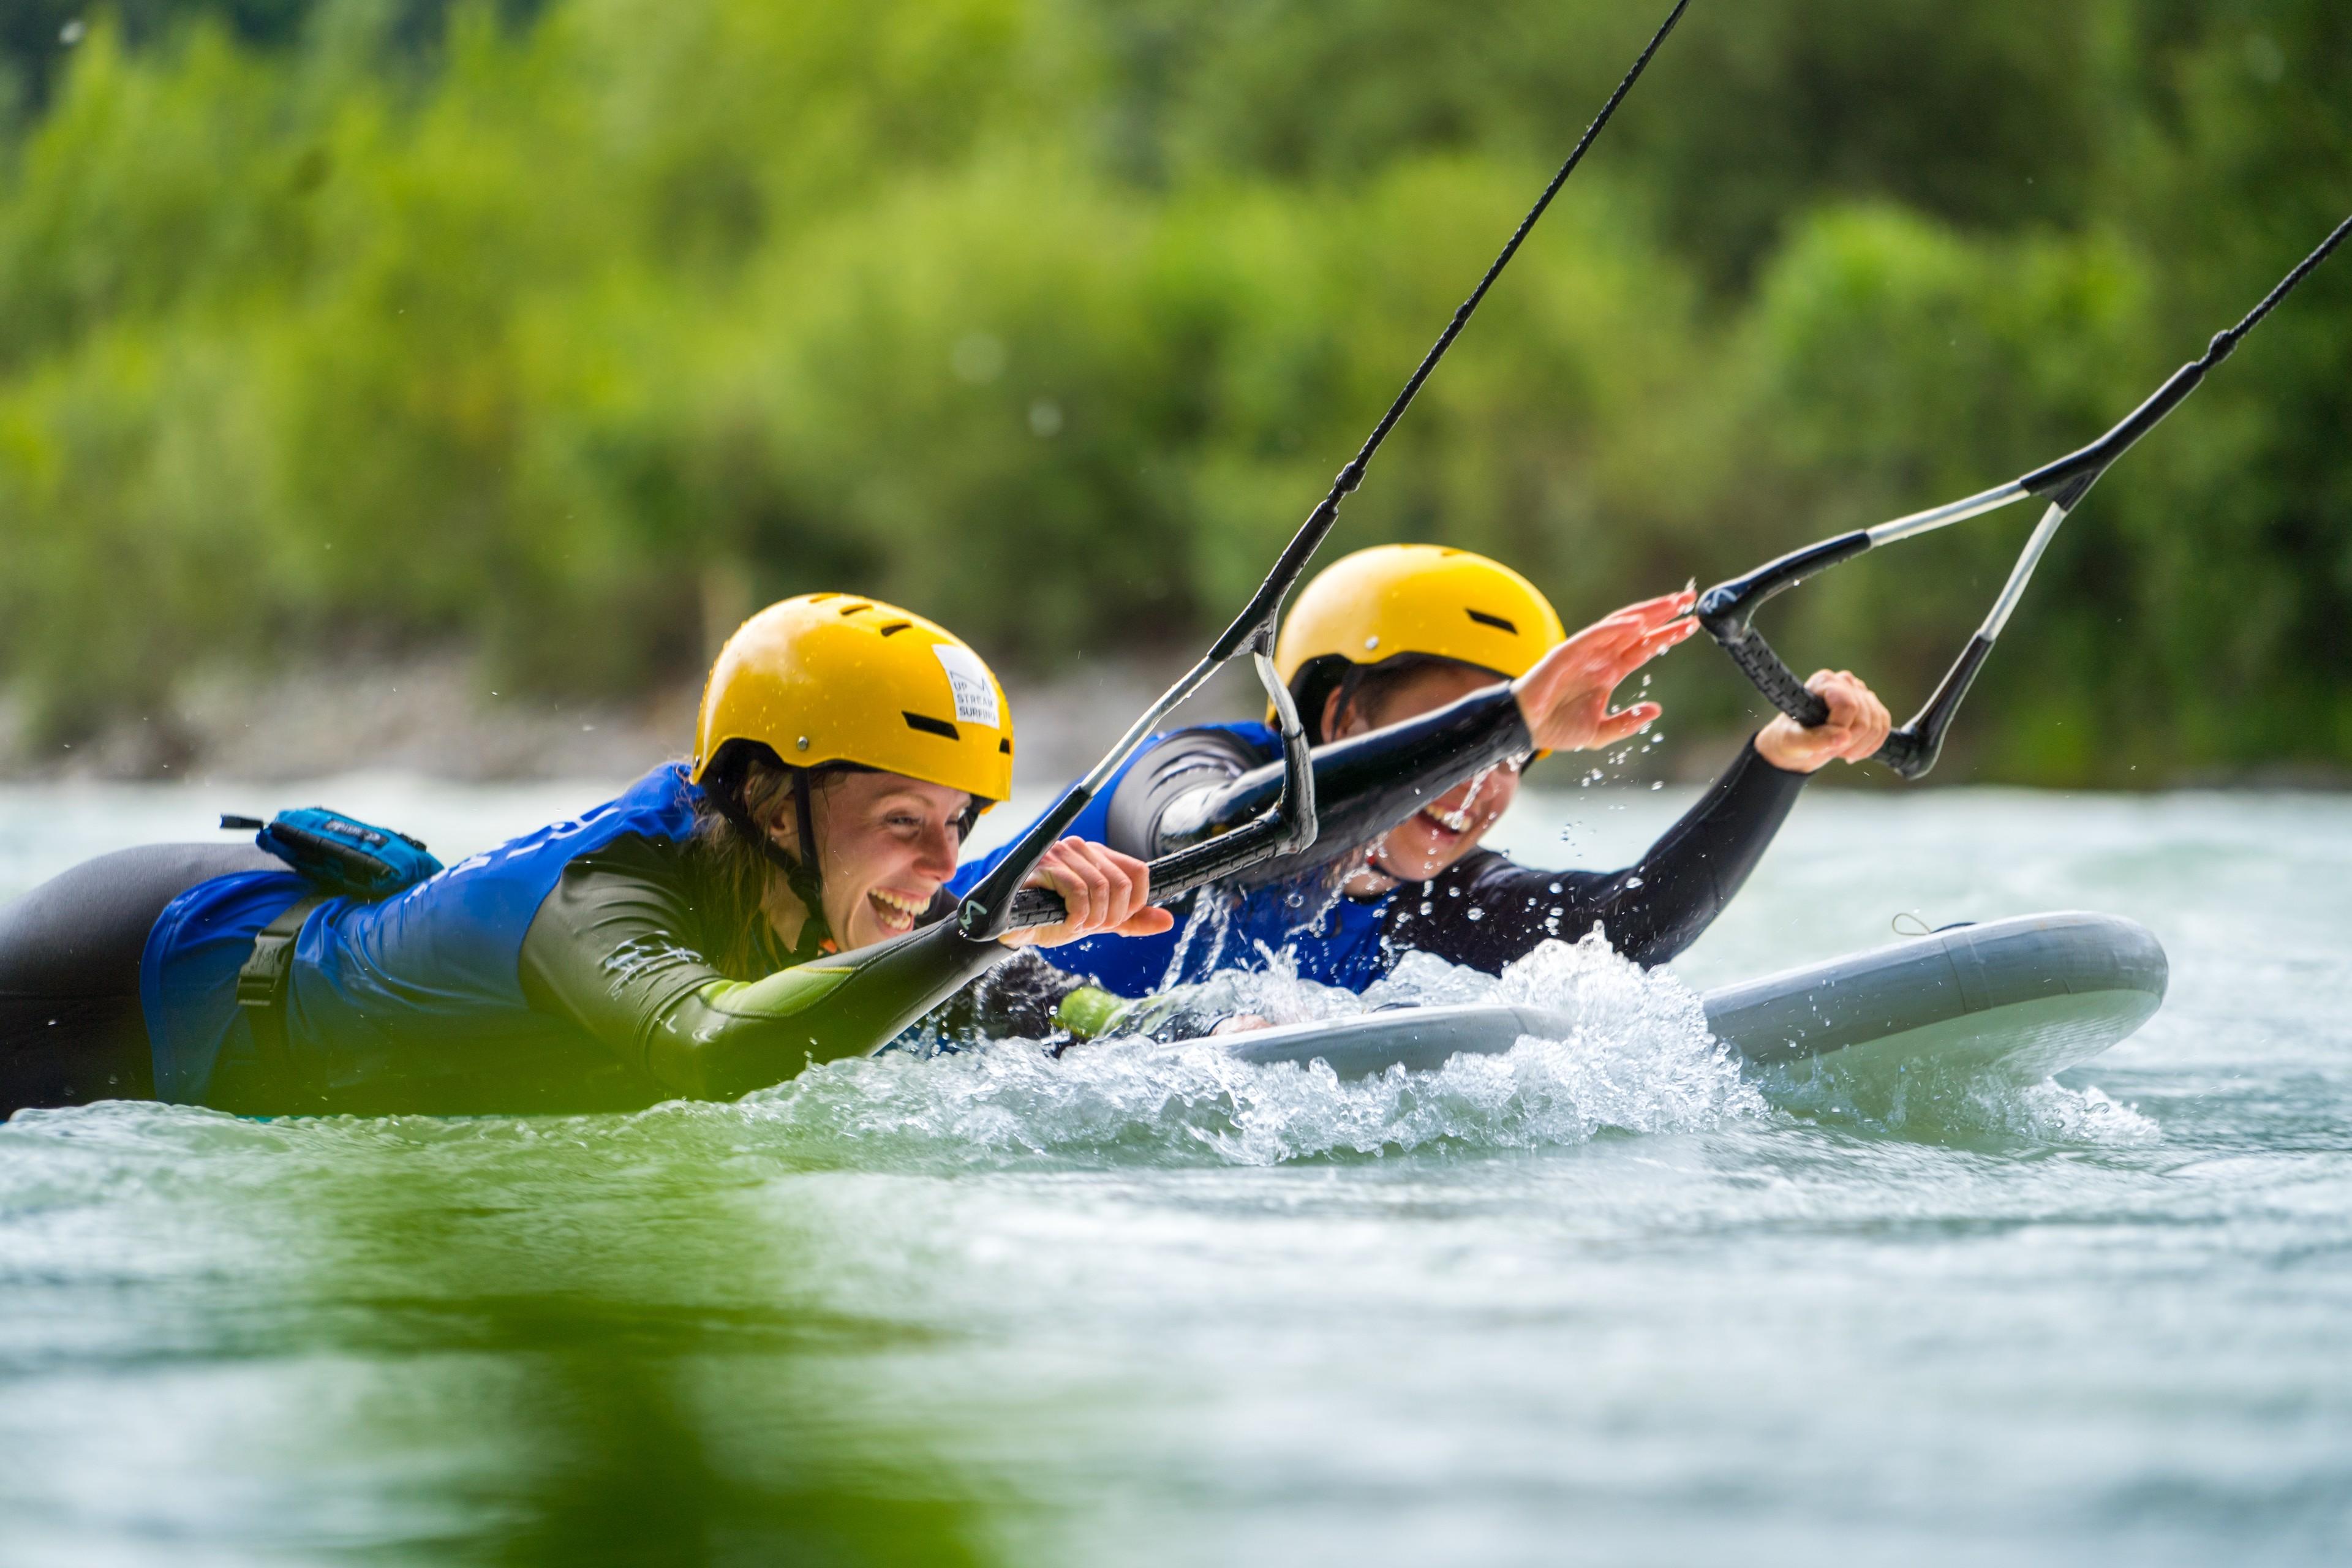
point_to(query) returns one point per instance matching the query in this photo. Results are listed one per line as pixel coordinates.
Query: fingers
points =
(1668, 636)
(1876, 722)
(1664, 608)
(1131, 912)
(1595, 645)
(1084, 885)
(1624, 724)
(1120, 873)
(1858, 723)
(1833, 735)
(1607, 676)
(1101, 889)
(1637, 620)
(1632, 622)
(1565, 699)
(1629, 644)
(1148, 920)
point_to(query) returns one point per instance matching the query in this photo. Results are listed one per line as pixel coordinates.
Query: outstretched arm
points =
(1366, 785)
(1486, 911)
(613, 949)
(1657, 907)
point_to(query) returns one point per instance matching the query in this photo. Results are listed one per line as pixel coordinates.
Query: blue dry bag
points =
(339, 855)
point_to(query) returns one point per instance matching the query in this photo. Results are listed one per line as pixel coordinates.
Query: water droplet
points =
(1474, 914)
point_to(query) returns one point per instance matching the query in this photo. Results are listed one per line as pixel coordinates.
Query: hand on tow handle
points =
(1857, 726)
(1105, 892)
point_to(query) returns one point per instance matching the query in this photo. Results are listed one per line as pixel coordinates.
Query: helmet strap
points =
(803, 875)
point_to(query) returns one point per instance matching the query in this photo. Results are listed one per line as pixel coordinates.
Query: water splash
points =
(1639, 1059)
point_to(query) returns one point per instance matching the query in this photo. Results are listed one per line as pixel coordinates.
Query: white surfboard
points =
(2024, 997)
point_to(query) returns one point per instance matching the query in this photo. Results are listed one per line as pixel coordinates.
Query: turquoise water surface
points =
(1593, 1302)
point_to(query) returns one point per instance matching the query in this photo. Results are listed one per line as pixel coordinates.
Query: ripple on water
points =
(1922, 1104)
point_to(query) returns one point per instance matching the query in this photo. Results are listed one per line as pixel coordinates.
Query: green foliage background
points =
(559, 330)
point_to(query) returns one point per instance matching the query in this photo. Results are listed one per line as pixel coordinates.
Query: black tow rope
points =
(1287, 826)
(1725, 610)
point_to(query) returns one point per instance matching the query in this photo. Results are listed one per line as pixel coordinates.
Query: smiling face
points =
(886, 845)
(1450, 826)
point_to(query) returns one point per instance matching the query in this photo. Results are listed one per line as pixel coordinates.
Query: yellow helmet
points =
(1414, 598)
(832, 677)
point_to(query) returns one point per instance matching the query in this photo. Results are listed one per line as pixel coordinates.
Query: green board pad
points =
(2024, 997)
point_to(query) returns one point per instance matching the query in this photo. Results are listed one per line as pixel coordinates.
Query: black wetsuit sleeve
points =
(1183, 772)
(1198, 783)
(1484, 910)
(620, 948)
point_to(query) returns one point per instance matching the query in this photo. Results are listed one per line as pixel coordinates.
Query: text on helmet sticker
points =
(975, 694)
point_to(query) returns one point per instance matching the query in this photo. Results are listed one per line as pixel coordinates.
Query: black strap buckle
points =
(261, 986)
(262, 979)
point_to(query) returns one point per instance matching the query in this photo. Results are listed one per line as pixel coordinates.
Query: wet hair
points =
(747, 790)
(1364, 687)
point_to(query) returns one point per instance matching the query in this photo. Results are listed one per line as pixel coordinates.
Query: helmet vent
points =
(853, 609)
(1498, 622)
(1005, 745)
(896, 626)
(938, 727)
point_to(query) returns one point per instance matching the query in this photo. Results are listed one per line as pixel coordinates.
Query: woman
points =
(775, 901)
(1428, 677)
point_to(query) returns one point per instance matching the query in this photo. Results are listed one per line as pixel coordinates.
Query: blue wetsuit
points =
(611, 960)
(424, 985)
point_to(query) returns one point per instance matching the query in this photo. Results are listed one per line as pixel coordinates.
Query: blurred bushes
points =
(567, 330)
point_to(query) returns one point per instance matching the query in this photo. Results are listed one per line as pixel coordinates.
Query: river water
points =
(1593, 1303)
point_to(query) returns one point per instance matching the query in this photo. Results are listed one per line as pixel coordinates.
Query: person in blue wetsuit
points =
(1429, 677)
(777, 900)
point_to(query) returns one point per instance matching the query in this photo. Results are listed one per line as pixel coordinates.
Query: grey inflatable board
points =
(2025, 996)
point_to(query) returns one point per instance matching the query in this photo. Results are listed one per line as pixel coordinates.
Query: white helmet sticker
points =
(975, 694)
